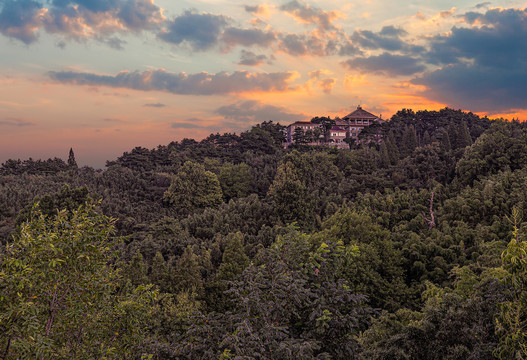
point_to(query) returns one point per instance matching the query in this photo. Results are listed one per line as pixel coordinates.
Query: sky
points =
(105, 76)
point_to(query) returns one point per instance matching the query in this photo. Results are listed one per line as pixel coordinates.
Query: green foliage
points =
(236, 180)
(135, 270)
(503, 147)
(60, 296)
(193, 188)
(49, 205)
(300, 137)
(290, 305)
(188, 274)
(326, 123)
(376, 269)
(512, 321)
(234, 259)
(452, 325)
(237, 282)
(299, 181)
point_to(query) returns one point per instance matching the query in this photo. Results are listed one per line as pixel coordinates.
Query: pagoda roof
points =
(360, 113)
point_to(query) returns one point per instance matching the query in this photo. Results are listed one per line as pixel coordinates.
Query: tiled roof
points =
(360, 114)
(303, 123)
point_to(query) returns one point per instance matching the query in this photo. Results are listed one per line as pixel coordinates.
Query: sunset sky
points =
(105, 76)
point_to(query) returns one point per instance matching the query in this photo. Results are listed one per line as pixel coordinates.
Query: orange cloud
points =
(351, 81)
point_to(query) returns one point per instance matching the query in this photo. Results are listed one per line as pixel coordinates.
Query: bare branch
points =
(431, 220)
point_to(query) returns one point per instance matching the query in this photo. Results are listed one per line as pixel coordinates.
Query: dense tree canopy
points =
(60, 296)
(408, 245)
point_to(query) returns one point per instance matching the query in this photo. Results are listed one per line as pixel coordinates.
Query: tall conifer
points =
(72, 163)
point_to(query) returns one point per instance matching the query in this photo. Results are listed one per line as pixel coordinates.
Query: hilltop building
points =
(348, 127)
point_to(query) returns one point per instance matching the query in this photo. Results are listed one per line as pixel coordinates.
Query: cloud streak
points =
(181, 83)
(387, 64)
(155, 105)
(15, 122)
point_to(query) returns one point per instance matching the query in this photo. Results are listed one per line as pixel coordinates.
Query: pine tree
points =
(426, 139)
(409, 142)
(385, 157)
(71, 160)
(445, 141)
(393, 149)
(234, 258)
(188, 274)
(159, 272)
(464, 136)
(136, 270)
(453, 135)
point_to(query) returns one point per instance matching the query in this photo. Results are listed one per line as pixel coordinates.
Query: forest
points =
(232, 247)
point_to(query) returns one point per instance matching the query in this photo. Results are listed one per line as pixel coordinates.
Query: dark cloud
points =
(114, 42)
(348, 49)
(91, 5)
(256, 9)
(134, 15)
(233, 36)
(253, 9)
(249, 58)
(299, 45)
(387, 64)
(483, 5)
(200, 31)
(139, 14)
(20, 19)
(79, 19)
(477, 88)
(155, 105)
(15, 122)
(499, 42)
(253, 111)
(181, 83)
(392, 31)
(307, 14)
(316, 44)
(388, 39)
(294, 44)
(484, 67)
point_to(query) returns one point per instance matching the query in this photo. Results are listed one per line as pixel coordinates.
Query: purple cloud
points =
(182, 83)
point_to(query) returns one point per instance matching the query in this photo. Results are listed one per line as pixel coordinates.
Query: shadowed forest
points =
(234, 248)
